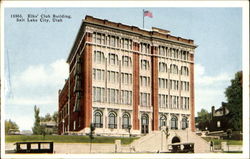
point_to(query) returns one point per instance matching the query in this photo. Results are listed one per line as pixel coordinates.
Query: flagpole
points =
(143, 18)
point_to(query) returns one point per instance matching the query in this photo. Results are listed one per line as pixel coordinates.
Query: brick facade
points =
(106, 66)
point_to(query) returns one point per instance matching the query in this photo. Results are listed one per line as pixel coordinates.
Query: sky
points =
(35, 52)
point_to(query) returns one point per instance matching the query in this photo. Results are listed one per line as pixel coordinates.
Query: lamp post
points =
(129, 131)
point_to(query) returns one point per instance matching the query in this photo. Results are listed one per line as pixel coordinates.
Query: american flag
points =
(148, 13)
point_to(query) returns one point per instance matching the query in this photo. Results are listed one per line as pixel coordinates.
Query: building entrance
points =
(144, 124)
(175, 140)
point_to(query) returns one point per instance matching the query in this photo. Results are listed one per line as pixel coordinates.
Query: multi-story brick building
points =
(122, 76)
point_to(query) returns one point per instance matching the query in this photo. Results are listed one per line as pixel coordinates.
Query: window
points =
(218, 124)
(98, 74)
(174, 123)
(126, 78)
(125, 121)
(162, 67)
(185, 86)
(98, 94)
(112, 41)
(144, 64)
(74, 125)
(145, 99)
(98, 119)
(99, 57)
(162, 51)
(77, 86)
(112, 59)
(126, 44)
(112, 96)
(77, 102)
(174, 69)
(185, 102)
(126, 61)
(184, 123)
(162, 100)
(184, 71)
(126, 97)
(144, 48)
(112, 76)
(98, 38)
(175, 102)
(103, 39)
(163, 121)
(163, 83)
(112, 120)
(144, 81)
(184, 55)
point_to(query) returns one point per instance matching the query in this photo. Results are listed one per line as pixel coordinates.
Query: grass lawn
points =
(67, 139)
(218, 141)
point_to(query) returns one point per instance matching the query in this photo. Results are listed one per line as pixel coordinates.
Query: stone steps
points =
(156, 141)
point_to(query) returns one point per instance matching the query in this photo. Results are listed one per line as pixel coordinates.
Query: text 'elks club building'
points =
(123, 77)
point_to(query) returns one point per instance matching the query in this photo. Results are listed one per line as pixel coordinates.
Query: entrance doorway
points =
(176, 140)
(144, 124)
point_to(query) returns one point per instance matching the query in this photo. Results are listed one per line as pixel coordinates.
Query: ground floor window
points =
(125, 121)
(144, 124)
(174, 122)
(112, 120)
(98, 119)
(163, 121)
(184, 123)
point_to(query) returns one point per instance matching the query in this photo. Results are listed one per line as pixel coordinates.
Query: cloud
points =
(41, 75)
(36, 85)
(209, 90)
(205, 80)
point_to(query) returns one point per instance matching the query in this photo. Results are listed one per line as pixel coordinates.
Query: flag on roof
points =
(147, 13)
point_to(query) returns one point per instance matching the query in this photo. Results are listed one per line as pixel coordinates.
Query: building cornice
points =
(154, 36)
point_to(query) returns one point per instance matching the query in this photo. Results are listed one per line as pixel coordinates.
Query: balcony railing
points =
(98, 125)
(112, 126)
(174, 128)
(126, 126)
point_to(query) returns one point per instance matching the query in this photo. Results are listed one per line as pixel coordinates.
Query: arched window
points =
(163, 121)
(98, 119)
(144, 124)
(112, 120)
(174, 69)
(162, 67)
(174, 122)
(184, 71)
(184, 123)
(125, 121)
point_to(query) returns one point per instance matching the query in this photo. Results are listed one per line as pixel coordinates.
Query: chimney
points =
(223, 108)
(213, 111)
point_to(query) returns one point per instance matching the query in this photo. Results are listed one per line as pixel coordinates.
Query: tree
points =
(10, 125)
(234, 98)
(55, 117)
(37, 129)
(203, 119)
(47, 117)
